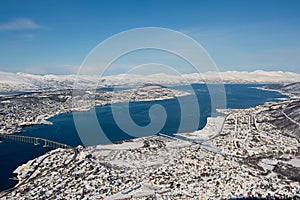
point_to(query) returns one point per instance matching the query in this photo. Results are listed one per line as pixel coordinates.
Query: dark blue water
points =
(13, 154)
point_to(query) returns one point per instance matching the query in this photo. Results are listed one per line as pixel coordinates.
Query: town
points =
(249, 157)
(35, 108)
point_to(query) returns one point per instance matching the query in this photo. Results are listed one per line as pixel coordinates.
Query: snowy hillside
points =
(287, 119)
(31, 82)
(292, 88)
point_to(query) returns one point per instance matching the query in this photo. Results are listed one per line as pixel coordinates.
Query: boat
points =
(14, 178)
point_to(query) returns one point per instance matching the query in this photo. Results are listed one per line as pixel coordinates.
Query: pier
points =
(35, 141)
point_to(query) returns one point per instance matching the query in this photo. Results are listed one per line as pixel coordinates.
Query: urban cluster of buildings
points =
(35, 108)
(250, 132)
(28, 109)
(255, 160)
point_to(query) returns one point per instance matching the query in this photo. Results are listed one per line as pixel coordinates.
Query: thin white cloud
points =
(19, 24)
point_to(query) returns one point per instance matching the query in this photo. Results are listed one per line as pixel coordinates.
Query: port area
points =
(249, 157)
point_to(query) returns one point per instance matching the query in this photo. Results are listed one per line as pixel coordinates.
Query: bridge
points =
(35, 141)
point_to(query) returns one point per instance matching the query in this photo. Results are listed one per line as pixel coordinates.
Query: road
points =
(31, 178)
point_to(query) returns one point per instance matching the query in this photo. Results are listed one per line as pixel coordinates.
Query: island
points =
(256, 153)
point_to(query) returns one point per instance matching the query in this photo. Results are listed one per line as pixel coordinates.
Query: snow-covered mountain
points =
(30, 82)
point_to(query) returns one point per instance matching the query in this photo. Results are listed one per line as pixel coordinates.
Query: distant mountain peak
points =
(28, 82)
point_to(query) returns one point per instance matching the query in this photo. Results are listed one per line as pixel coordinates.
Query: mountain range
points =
(31, 82)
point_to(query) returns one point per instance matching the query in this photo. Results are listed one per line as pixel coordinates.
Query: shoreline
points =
(45, 121)
(227, 165)
(136, 143)
(156, 136)
(44, 118)
(290, 95)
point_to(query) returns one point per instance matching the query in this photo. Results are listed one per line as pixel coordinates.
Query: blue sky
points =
(55, 36)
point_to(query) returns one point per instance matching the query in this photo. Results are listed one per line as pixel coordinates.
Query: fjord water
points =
(13, 154)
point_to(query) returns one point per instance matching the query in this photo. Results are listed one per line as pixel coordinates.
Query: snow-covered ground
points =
(212, 128)
(295, 162)
(31, 82)
(123, 146)
(248, 164)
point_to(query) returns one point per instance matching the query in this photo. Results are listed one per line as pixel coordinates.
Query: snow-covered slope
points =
(258, 76)
(31, 82)
(292, 88)
(288, 118)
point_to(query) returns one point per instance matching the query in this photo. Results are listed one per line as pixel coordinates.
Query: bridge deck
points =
(36, 141)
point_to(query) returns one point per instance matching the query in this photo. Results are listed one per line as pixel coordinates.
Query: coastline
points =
(44, 119)
(230, 166)
(46, 122)
(179, 93)
(211, 130)
(184, 140)
(132, 147)
(290, 95)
